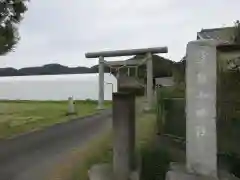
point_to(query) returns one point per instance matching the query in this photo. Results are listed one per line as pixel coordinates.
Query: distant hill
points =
(161, 67)
(49, 69)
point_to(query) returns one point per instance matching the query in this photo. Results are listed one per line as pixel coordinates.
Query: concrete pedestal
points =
(123, 135)
(105, 172)
(179, 172)
(124, 159)
(101, 172)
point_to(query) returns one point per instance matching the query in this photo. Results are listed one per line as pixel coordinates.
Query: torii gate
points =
(147, 52)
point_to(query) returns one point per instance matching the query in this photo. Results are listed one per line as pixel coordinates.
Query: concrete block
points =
(101, 172)
(178, 171)
(105, 172)
(135, 175)
(179, 175)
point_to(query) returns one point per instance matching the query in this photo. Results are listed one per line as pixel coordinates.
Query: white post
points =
(101, 83)
(71, 107)
(201, 77)
(128, 72)
(149, 81)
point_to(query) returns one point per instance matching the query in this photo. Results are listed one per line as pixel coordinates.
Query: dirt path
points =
(32, 156)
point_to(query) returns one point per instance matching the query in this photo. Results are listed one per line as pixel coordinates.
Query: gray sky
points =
(55, 31)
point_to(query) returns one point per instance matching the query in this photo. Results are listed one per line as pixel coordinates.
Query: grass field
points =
(17, 117)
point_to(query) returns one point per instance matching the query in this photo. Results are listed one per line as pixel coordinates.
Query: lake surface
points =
(55, 87)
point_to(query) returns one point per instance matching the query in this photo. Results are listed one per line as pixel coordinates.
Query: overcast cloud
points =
(61, 31)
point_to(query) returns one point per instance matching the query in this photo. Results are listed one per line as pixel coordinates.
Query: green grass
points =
(99, 151)
(154, 161)
(17, 117)
(77, 164)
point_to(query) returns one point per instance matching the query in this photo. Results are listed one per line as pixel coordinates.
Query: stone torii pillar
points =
(101, 83)
(149, 82)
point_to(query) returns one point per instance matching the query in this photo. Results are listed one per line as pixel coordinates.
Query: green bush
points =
(155, 163)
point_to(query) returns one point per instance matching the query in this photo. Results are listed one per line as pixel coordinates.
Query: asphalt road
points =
(31, 156)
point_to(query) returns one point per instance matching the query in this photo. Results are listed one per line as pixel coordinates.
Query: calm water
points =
(55, 87)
